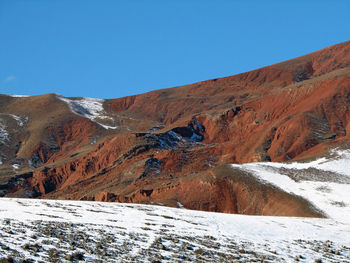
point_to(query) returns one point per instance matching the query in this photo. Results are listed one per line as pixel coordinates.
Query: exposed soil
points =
(168, 145)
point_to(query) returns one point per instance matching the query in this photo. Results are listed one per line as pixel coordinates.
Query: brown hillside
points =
(168, 145)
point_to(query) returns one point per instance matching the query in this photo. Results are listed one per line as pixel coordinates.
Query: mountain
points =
(174, 146)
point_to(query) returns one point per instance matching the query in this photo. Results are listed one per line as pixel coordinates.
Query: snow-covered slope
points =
(111, 232)
(325, 182)
(90, 108)
(63, 231)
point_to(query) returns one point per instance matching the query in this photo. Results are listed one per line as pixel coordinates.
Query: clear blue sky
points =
(110, 49)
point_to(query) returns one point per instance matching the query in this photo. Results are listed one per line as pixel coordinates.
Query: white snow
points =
(15, 166)
(332, 197)
(18, 96)
(90, 108)
(338, 163)
(4, 136)
(136, 228)
(20, 119)
(180, 205)
(169, 139)
(147, 232)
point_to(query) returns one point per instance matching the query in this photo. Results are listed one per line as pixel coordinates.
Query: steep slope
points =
(172, 145)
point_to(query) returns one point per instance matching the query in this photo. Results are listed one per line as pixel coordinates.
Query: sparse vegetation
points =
(106, 245)
(158, 239)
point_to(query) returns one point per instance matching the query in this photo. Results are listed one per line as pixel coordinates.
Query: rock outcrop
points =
(170, 146)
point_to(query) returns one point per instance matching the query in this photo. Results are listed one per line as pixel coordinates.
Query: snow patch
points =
(338, 163)
(168, 140)
(4, 136)
(15, 167)
(90, 108)
(20, 119)
(325, 195)
(19, 96)
(180, 205)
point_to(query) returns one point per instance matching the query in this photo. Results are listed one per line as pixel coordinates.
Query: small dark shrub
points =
(7, 260)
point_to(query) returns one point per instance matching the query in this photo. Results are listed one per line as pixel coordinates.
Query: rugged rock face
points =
(170, 146)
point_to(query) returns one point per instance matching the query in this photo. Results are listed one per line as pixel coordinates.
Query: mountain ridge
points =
(164, 145)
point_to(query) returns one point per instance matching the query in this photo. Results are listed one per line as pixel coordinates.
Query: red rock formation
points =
(169, 143)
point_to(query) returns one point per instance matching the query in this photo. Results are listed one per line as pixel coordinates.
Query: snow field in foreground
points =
(112, 232)
(62, 231)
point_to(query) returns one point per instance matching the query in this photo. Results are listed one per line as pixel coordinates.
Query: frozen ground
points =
(34, 230)
(325, 182)
(63, 231)
(21, 120)
(4, 136)
(90, 108)
(4, 133)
